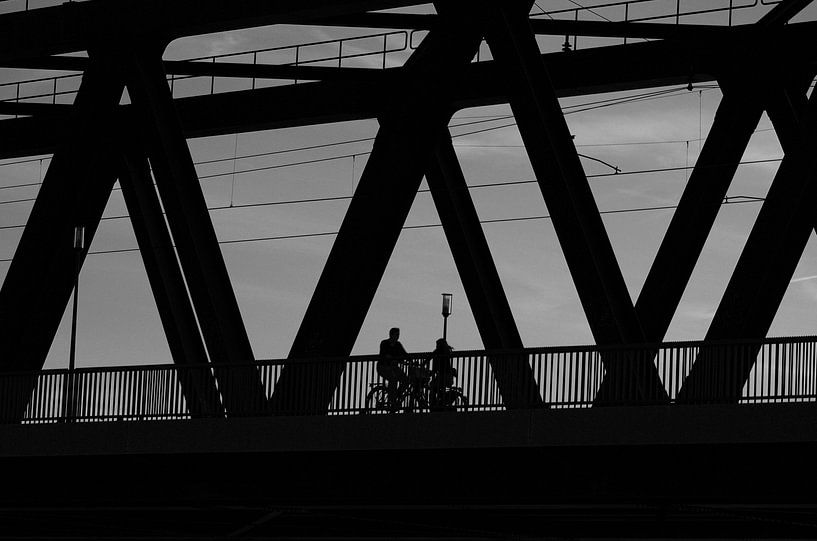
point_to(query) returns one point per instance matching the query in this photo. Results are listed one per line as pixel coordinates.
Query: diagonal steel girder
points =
(735, 121)
(368, 234)
(74, 193)
(782, 13)
(575, 216)
(166, 280)
(770, 256)
(202, 262)
(480, 279)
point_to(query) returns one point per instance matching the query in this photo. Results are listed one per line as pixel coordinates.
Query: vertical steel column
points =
(479, 275)
(567, 193)
(204, 268)
(74, 193)
(403, 146)
(768, 260)
(166, 281)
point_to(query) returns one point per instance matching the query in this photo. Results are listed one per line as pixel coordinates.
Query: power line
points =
(425, 190)
(729, 200)
(590, 10)
(570, 109)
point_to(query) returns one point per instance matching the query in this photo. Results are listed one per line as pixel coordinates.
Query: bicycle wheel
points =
(377, 400)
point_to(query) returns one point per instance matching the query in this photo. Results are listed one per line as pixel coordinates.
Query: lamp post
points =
(447, 301)
(79, 245)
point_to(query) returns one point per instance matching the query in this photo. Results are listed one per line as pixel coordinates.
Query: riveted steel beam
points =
(74, 193)
(404, 144)
(479, 275)
(166, 280)
(202, 262)
(735, 121)
(589, 71)
(575, 216)
(769, 258)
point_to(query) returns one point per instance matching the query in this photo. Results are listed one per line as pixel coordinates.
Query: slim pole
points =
(445, 329)
(79, 239)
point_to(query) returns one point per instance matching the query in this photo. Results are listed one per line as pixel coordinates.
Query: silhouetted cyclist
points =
(392, 354)
(444, 374)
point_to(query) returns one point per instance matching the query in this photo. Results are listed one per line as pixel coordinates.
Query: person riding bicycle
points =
(392, 353)
(444, 374)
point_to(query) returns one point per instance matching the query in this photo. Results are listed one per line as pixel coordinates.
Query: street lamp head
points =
(79, 237)
(447, 304)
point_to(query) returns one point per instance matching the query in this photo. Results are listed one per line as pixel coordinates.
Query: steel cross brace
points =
(735, 121)
(369, 231)
(575, 216)
(201, 260)
(166, 280)
(479, 275)
(74, 193)
(770, 256)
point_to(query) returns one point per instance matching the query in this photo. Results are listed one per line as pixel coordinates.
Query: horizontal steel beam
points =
(69, 27)
(557, 27)
(272, 71)
(218, 69)
(34, 109)
(588, 71)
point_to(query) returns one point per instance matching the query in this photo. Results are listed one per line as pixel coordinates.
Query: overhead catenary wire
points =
(570, 109)
(606, 102)
(729, 200)
(470, 187)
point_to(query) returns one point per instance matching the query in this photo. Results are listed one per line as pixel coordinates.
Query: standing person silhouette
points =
(392, 353)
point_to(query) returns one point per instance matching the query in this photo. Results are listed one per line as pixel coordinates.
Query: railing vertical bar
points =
(90, 393)
(8, 393)
(37, 401)
(385, 48)
(107, 398)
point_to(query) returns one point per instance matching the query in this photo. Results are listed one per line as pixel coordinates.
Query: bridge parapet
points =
(773, 370)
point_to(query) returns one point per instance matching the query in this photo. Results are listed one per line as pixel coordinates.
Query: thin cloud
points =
(803, 278)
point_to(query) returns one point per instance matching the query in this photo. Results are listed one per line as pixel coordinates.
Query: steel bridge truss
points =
(765, 66)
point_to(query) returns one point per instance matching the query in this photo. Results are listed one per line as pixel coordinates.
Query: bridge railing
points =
(374, 50)
(778, 370)
(722, 12)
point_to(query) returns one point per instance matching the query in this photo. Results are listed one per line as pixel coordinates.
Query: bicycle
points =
(420, 393)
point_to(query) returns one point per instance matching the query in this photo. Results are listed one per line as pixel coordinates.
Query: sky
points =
(118, 323)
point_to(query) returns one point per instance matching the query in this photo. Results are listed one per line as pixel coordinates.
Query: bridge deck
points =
(661, 472)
